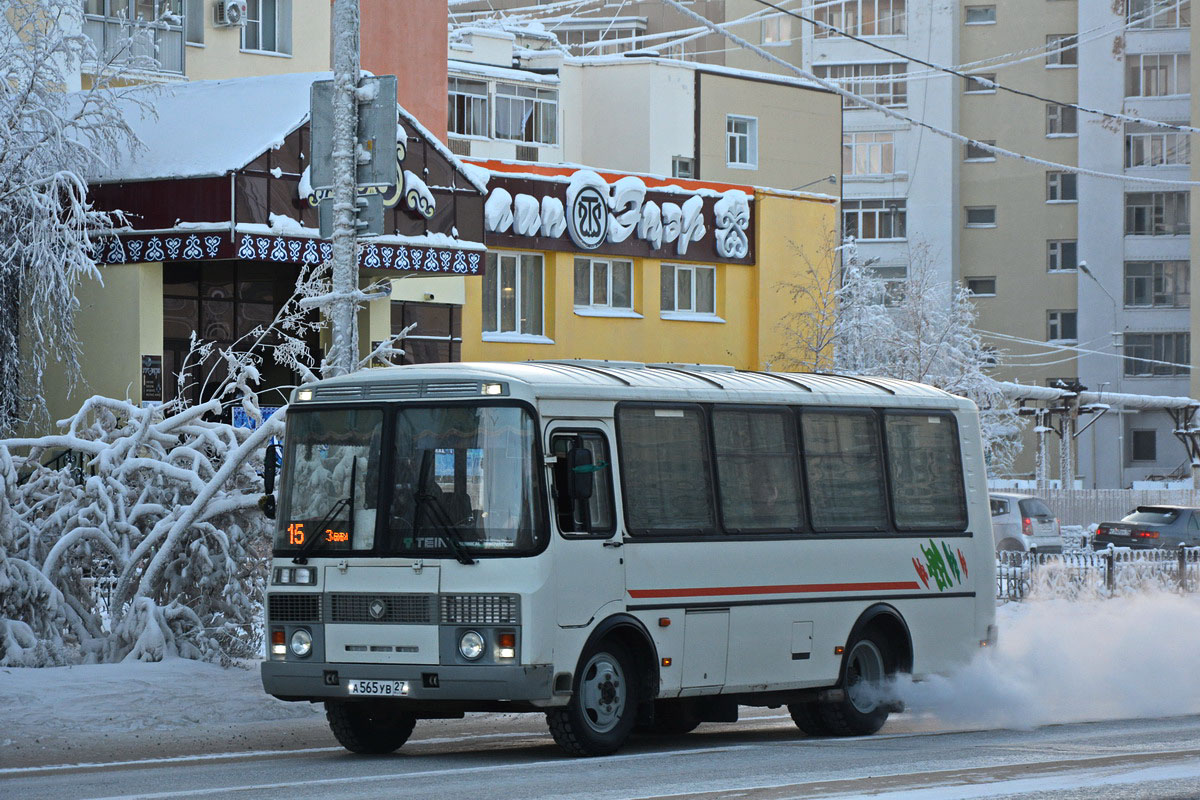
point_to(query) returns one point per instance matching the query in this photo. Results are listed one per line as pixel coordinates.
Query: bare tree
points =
(921, 328)
(51, 139)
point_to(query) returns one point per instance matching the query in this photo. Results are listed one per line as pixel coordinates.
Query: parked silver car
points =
(1025, 524)
(1152, 527)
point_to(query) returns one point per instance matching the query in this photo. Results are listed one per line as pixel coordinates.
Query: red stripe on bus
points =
(801, 588)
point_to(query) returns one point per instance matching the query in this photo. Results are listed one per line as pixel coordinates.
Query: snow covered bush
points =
(51, 139)
(148, 542)
(921, 328)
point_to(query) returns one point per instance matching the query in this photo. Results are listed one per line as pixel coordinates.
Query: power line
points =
(986, 83)
(842, 92)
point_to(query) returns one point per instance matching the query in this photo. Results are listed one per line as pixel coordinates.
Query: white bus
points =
(622, 546)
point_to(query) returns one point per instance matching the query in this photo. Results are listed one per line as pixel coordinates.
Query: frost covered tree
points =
(51, 138)
(920, 329)
(149, 543)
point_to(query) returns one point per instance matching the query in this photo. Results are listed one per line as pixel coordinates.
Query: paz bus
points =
(622, 546)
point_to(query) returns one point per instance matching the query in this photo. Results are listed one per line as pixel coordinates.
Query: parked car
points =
(1024, 524)
(1151, 527)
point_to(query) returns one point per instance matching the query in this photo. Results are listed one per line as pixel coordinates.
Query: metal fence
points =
(1088, 506)
(1099, 573)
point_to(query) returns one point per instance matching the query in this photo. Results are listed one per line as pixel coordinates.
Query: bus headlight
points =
(301, 642)
(471, 645)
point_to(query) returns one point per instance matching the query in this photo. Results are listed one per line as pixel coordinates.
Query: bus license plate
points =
(377, 688)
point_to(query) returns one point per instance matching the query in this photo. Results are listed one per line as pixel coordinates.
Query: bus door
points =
(588, 567)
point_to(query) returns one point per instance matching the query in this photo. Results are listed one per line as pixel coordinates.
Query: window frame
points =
(872, 81)
(987, 157)
(606, 309)
(518, 292)
(974, 293)
(981, 8)
(957, 470)
(1175, 16)
(1058, 319)
(990, 77)
(542, 114)
(571, 431)
(894, 207)
(1068, 56)
(1157, 276)
(733, 139)
(1062, 121)
(1169, 144)
(692, 314)
(790, 414)
(1144, 69)
(1062, 187)
(868, 147)
(463, 104)
(1051, 255)
(1152, 347)
(967, 210)
(282, 28)
(1155, 208)
(848, 17)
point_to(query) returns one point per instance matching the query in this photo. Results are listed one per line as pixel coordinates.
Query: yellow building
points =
(602, 265)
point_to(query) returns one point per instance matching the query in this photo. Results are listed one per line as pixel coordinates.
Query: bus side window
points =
(593, 516)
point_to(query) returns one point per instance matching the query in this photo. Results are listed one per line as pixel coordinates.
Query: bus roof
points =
(596, 379)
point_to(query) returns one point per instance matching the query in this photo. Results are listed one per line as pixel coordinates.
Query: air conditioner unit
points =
(229, 12)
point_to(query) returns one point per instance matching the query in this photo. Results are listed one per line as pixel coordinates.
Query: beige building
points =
(198, 40)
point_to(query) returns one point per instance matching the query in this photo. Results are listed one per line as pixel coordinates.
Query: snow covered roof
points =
(210, 128)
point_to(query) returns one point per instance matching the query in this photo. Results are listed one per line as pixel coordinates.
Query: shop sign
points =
(152, 378)
(624, 217)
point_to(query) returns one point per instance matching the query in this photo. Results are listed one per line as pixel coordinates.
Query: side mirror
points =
(580, 480)
(267, 501)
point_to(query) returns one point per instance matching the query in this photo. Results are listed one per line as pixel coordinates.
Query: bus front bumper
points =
(291, 680)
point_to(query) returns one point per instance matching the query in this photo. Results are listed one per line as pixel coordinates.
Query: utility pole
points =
(343, 350)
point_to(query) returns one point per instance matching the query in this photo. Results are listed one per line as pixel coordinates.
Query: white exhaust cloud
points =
(1060, 661)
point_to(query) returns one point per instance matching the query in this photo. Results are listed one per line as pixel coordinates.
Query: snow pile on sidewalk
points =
(1059, 661)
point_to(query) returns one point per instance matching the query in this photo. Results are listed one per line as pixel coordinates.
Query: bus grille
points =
(294, 607)
(480, 609)
(409, 609)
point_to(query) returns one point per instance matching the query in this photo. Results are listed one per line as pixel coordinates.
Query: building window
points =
(105, 22)
(1061, 187)
(526, 114)
(776, 29)
(980, 15)
(1062, 50)
(1062, 255)
(981, 217)
(860, 18)
(603, 284)
(981, 83)
(868, 220)
(1143, 445)
(879, 83)
(193, 21)
(438, 336)
(1157, 214)
(1159, 13)
(1060, 326)
(1152, 355)
(1163, 284)
(974, 151)
(741, 142)
(682, 167)
(268, 27)
(689, 289)
(1148, 146)
(868, 153)
(468, 107)
(512, 294)
(1061, 120)
(1157, 74)
(982, 287)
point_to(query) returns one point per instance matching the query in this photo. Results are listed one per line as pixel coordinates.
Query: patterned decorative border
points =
(134, 248)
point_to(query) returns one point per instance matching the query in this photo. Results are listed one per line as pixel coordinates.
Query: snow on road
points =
(1056, 661)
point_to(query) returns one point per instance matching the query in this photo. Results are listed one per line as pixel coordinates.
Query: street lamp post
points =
(1115, 334)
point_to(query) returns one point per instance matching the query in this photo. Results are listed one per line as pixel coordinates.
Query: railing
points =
(1096, 573)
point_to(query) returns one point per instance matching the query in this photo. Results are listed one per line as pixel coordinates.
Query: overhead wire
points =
(864, 101)
(988, 83)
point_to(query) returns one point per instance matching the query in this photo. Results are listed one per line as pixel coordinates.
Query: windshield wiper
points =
(338, 506)
(439, 517)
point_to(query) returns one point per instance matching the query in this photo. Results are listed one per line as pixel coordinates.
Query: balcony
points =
(122, 41)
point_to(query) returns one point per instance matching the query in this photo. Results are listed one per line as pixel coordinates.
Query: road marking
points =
(558, 763)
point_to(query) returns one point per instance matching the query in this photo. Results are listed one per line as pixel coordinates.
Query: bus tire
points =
(807, 717)
(869, 662)
(365, 727)
(604, 703)
(672, 718)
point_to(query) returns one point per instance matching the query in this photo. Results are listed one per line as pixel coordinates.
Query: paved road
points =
(762, 757)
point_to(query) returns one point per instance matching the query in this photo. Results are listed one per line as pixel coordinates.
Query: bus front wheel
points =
(868, 665)
(603, 706)
(366, 727)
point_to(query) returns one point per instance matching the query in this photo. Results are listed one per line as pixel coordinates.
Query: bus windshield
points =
(463, 482)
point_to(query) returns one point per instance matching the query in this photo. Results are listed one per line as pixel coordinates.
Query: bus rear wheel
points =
(603, 706)
(807, 717)
(366, 727)
(865, 706)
